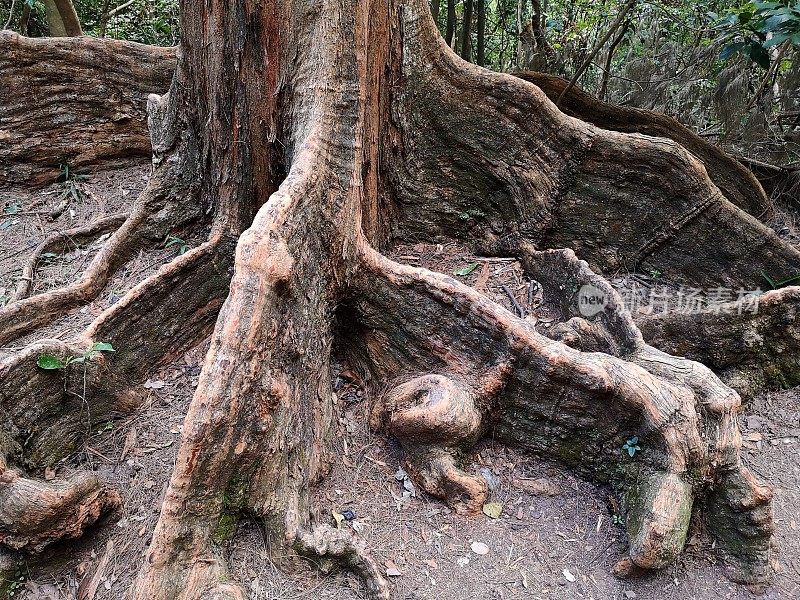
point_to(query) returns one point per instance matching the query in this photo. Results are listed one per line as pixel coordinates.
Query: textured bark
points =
(314, 135)
(62, 19)
(736, 182)
(78, 101)
(751, 347)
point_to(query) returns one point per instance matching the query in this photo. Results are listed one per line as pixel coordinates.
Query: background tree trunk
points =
(62, 19)
(466, 31)
(481, 49)
(451, 22)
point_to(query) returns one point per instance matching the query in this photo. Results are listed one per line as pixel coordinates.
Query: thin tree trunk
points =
(611, 30)
(481, 50)
(451, 22)
(436, 6)
(609, 60)
(466, 31)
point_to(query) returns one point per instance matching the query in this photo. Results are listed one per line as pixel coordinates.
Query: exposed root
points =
(736, 182)
(578, 407)
(621, 201)
(74, 236)
(339, 546)
(433, 417)
(752, 345)
(156, 212)
(34, 514)
(48, 414)
(47, 124)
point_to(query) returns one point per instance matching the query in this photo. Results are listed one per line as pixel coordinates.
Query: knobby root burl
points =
(310, 136)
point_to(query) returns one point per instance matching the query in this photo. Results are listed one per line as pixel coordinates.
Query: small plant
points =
(618, 520)
(172, 240)
(655, 274)
(632, 446)
(16, 585)
(48, 362)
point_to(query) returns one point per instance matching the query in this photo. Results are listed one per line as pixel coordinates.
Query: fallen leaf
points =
(483, 278)
(391, 569)
(49, 474)
(432, 564)
(130, 444)
(153, 385)
(568, 576)
(480, 548)
(493, 510)
(464, 271)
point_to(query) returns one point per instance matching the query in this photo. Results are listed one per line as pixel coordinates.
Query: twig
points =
(520, 311)
(768, 76)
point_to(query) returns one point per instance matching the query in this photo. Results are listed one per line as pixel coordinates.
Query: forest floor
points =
(555, 538)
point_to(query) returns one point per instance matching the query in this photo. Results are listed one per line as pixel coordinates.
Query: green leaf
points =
(102, 347)
(49, 362)
(631, 450)
(464, 271)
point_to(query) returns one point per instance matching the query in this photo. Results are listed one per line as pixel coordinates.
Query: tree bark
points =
(451, 22)
(62, 19)
(466, 31)
(309, 138)
(736, 182)
(85, 103)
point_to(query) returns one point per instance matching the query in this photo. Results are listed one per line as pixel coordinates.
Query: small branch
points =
(768, 76)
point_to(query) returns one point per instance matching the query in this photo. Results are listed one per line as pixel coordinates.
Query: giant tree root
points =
(164, 204)
(752, 344)
(578, 407)
(57, 240)
(48, 414)
(75, 101)
(314, 133)
(737, 182)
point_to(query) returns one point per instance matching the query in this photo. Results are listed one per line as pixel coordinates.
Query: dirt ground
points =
(556, 537)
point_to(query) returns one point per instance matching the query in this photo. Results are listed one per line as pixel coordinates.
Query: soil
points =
(556, 536)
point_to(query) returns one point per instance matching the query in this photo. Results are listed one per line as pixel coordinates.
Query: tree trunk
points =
(466, 31)
(309, 138)
(62, 19)
(85, 103)
(451, 22)
(436, 6)
(480, 57)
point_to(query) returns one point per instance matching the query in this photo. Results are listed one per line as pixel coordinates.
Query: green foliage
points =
(632, 446)
(755, 27)
(464, 271)
(48, 362)
(173, 241)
